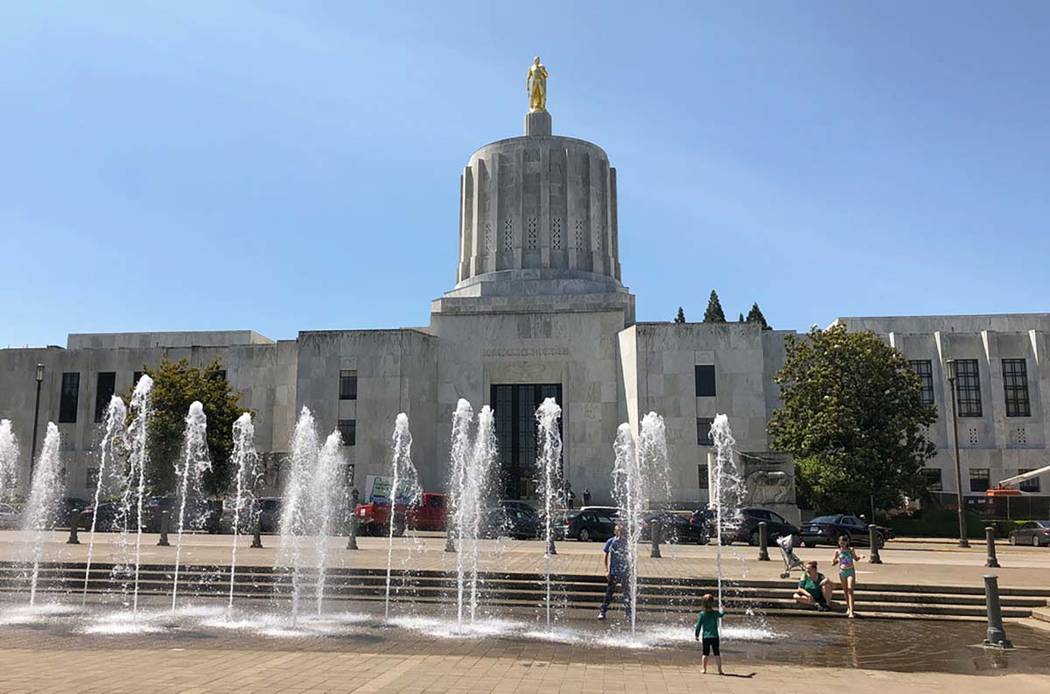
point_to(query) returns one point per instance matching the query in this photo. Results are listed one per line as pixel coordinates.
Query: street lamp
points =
(36, 418)
(952, 373)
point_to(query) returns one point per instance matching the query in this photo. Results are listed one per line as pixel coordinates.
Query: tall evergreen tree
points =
(714, 312)
(741, 319)
(755, 316)
(680, 317)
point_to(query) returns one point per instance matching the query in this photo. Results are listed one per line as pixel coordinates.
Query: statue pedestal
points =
(538, 123)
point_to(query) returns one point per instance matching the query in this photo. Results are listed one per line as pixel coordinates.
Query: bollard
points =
(996, 634)
(874, 544)
(656, 534)
(74, 525)
(450, 544)
(257, 535)
(165, 517)
(551, 549)
(763, 541)
(352, 542)
(989, 539)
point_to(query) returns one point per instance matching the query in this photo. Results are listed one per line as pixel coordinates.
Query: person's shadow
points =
(733, 674)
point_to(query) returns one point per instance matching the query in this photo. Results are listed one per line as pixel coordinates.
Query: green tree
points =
(755, 316)
(680, 316)
(741, 319)
(853, 417)
(714, 312)
(175, 386)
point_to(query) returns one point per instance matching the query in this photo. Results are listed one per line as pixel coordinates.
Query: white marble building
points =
(538, 310)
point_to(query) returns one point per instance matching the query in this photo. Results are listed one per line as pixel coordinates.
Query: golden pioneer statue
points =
(536, 85)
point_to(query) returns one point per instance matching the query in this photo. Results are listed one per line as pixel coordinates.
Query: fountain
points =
(726, 489)
(482, 459)
(295, 512)
(8, 458)
(550, 483)
(640, 476)
(404, 490)
(245, 460)
(44, 493)
(189, 472)
(458, 504)
(109, 449)
(328, 495)
(138, 459)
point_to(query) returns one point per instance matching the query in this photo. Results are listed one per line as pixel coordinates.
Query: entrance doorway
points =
(515, 406)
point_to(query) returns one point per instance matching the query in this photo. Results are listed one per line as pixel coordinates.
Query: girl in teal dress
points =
(846, 557)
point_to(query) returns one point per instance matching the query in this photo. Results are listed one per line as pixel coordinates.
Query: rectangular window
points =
(135, 376)
(968, 385)
(348, 430)
(924, 370)
(104, 389)
(934, 481)
(1031, 485)
(67, 406)
(705, 380)
(979, 478)
(348, 384)
(220, 374)
(703, 431)
(1015, 382)
(701, 476)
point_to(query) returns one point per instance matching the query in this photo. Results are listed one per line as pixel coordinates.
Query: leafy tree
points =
(853, 417)
(680, 317)
(755, 316)
(175, 386)
(714, 312)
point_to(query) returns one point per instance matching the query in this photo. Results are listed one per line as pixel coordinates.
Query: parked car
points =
(825, 530)
(106, 517)
(510, 519)
(743, 526)
(10, 517)
(590, 523)
(429, 514)
(676, 529)
(1035, 533)
(69, 505)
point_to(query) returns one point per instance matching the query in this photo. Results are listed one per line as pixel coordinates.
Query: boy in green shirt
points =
(707, 626)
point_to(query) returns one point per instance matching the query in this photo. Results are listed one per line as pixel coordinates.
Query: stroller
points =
(791, 560)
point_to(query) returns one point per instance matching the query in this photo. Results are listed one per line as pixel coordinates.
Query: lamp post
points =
(36, 418)
(963, 542)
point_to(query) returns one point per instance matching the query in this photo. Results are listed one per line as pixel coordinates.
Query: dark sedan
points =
(675, 529)
(825, 530)
(742, 526)
(589, 524)
(513, 520)
(1035, 533)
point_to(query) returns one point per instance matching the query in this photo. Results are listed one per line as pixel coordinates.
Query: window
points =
(348, 384)
(106, 386)
(220, 375)
(135, 376)
(1031, 485)
(703, 431)
(968, 386)
(348, 430)
(979, 478)
(934, 481)
(701, 475)
(1015, 382)
(923, 368)
(67, 406)
(705, 380)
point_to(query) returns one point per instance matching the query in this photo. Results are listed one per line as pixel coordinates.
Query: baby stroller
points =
(791, 561)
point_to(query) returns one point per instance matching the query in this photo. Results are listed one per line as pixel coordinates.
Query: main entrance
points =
(515, 410)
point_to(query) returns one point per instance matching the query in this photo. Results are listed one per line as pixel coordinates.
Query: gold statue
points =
(536, 85)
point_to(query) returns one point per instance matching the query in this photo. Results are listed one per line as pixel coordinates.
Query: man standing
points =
(617, 571)
(586, 496)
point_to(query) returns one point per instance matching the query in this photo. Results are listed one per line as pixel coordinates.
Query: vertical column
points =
(544, 220)
(492, 230)
(996, 397)
(477, 257)
(595, 213)
(614, 230)
(571, 211)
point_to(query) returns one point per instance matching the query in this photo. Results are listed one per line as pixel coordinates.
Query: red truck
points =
(429, 514)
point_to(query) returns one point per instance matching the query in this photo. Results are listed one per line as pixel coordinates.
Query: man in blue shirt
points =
(617, 571)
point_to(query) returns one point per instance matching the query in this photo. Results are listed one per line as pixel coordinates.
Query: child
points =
(814, 589)
(846, 557)
(707, 626)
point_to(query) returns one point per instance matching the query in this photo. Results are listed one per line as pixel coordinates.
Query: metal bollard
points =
(996, 634)
(450, 544)
(656, 534)
(74, 525)
(257, 535)
(165, 520)
(352, 542)
(551, 549)
(873, 543)
(989, 539)
(763, 542)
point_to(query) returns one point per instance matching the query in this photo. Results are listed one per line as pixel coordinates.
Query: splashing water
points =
(404, 491)
(195, 462)
(294, 514)
(458, 504)
(8, 458)
(245, 460)
(727, 489)
(109, 450)
(640, 477)
(44, 492)
(547, 417)
(328, 495)
(138, 459)
(483, 459)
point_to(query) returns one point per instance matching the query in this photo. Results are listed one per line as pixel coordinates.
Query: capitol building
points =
(540, 309)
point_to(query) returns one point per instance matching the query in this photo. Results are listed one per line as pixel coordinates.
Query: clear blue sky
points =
(294, 166)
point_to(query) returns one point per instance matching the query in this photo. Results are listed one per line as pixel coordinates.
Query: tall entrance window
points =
(515, 411)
